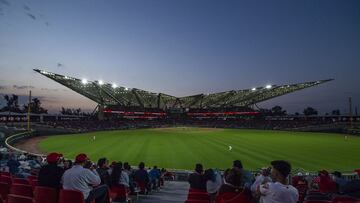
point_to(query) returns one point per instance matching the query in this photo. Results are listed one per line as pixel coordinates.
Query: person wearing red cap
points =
(85, 180)
(50, 174)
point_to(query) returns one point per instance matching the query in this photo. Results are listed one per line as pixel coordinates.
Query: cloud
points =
(31, 16)
(48, 89)
(59, 65)
(23, 87)
(26, 8)
(4, 2)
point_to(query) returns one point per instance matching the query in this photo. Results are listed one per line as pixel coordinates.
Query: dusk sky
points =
(182, 48)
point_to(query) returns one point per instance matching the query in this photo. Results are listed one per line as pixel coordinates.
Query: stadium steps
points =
(172, 192)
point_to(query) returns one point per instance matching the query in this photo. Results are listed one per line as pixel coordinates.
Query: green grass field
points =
(183, 147)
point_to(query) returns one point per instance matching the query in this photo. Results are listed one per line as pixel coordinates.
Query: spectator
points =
(213, 182)
(326, 184)
(67, 164)
(340, 181)
(103, 171)
(247, 176)
(130, 172)
(262, 178)
(141, 177)
(233, 182)
(197, 179)
(154, 176)
(279, 191)
(85, 180)
(50, 174)
(13, 164)
(119, 176)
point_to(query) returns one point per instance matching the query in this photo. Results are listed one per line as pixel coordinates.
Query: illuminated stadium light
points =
(100, 82)
(114, 85)
(268, 86)
(84, 81)
(253, 89)
(126, 88)
(66, 77)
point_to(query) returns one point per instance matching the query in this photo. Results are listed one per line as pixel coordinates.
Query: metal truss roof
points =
(110, 95)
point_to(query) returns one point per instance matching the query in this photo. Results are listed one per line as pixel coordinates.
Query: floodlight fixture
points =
(84, 81)
(268, 86)
(100, 82)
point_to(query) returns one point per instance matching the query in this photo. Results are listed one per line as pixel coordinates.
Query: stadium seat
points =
(72, 196)
(345, 199)
(20, 181)
(233, 198)
(20, 189)
(196, 190)
(198, 196)
(6, 179)
(18, 199)
(197, 201)
(4, 190)
(45, 195)
(4, 173)
(34, 183)
(30, 178)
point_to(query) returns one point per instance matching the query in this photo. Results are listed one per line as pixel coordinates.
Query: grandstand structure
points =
(111, 97)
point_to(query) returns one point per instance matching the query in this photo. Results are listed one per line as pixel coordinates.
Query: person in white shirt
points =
(278, 191)
(263, 178)
(85, 180)
(213, 182)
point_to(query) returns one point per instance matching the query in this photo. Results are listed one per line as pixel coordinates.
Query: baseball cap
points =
(53, 157)
(80, 158)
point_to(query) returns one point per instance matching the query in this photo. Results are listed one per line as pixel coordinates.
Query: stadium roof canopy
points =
(111, 95)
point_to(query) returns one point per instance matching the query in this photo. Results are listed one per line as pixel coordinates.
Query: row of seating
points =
(199, 196)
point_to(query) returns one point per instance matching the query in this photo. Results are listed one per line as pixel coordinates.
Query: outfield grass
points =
(182, 148)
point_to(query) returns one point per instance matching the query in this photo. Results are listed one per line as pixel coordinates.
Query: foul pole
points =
(28, 114)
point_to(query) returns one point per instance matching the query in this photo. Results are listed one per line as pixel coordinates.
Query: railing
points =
(14, 138)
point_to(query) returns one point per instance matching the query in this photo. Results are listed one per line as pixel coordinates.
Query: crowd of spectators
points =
(271, 184)
(93, 180)
(120, 124)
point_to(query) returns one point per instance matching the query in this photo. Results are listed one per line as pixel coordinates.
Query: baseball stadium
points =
(178, 133)
(178, 101)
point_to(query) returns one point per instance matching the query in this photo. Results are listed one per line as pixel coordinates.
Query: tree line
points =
(12, 105)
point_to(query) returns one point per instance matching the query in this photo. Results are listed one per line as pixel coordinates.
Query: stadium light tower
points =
(84, 81)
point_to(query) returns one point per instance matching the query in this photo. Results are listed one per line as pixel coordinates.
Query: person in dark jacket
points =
(50, 174)
(103, 171)
(141, 176)
(197, 180)
(13, 164)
